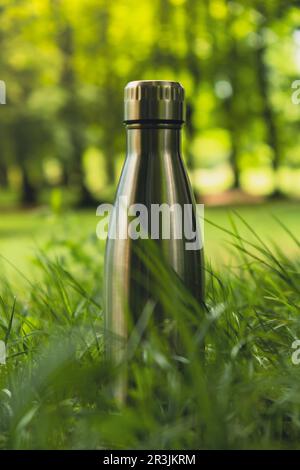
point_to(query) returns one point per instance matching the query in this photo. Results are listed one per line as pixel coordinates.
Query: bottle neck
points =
(153, 138)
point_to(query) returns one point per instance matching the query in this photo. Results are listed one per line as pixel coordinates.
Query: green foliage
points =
(66, 63)
(233, 385)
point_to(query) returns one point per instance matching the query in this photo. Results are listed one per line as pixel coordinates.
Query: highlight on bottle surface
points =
(154, 212)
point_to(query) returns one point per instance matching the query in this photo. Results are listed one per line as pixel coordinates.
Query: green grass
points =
(243, 392)
(22, 232)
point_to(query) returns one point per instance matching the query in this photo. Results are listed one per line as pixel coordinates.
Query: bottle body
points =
(153, 175)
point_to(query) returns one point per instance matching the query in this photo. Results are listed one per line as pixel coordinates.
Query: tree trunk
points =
(110, 168)
(3, 175)
(232, 118)
(267, 111)
(29, 192)
(85, 198)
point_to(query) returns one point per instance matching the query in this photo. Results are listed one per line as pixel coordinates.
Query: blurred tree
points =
(66, 64)
(109, 102)
(71, 113)
(264, 89)
(193, 66)
(28, 132)
(232, 60)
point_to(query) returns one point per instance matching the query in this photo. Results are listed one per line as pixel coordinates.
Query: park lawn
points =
(56, 385)
(22, 233)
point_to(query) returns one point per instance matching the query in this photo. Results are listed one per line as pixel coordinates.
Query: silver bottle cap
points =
(153, 100)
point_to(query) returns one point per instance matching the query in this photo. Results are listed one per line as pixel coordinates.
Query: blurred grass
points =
(22, 232)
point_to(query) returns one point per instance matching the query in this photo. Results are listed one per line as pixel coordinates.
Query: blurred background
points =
(62, 144)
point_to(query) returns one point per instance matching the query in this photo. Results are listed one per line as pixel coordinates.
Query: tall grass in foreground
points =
(243, 392)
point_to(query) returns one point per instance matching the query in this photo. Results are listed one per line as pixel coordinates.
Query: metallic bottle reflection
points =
(153, 173)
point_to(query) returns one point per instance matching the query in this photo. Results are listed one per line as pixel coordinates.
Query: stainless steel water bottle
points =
(153, 176)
